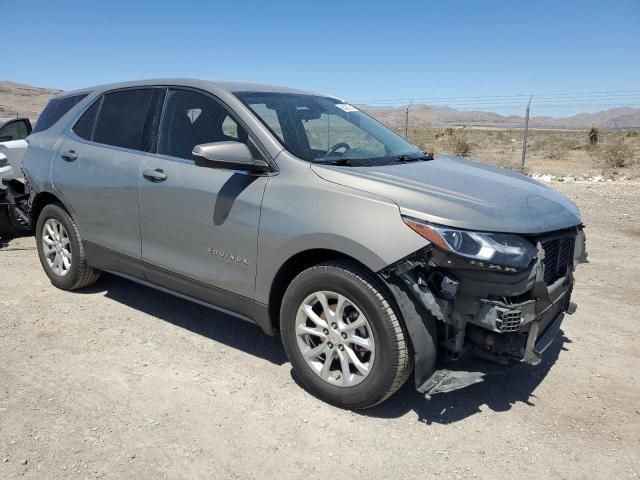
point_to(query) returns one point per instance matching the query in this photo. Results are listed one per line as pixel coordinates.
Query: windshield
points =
(325, 130)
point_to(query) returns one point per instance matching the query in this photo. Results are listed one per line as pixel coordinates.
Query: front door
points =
(199, 225)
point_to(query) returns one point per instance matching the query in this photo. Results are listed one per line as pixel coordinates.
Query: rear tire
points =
(340, 312)
(61, 251)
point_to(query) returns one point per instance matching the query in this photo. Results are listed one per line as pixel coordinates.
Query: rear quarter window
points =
(54, 111)
(85, 125)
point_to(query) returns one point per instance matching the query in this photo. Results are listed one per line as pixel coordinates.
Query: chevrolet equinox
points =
(302, 214)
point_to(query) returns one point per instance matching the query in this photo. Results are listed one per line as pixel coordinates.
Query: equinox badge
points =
(228, 256)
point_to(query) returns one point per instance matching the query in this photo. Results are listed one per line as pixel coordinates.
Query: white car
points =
(13, 146)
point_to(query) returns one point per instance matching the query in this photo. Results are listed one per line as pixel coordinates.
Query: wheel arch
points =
(41, 200)
(420, 326)
(295, 265)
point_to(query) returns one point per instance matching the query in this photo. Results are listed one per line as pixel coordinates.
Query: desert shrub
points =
(556, 146)
(449, 131)
(616, 154)
(555, 151)
(632, 133)
(426, 146)
(461, 146)
(502, 136)
(503, 162)
(594, 135)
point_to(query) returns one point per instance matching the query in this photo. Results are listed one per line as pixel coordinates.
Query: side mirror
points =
(230, 155)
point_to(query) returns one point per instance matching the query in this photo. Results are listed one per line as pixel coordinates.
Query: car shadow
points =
(500, 390)
(227, 195)
(223, 328)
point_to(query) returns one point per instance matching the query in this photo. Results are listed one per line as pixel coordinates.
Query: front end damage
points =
(457, 308)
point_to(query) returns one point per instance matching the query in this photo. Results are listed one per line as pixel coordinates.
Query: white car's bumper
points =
(14, 151)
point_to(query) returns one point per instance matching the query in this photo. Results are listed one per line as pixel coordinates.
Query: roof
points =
(226, 86)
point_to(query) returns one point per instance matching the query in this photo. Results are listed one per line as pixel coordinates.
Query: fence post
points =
(406, 121)
(526, 134)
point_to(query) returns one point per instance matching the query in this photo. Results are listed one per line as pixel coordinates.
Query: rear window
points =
(122, 118)
(54, 111)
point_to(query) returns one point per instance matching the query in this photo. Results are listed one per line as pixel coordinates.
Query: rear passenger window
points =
(54, 111)
(122, 118)
(84, 127)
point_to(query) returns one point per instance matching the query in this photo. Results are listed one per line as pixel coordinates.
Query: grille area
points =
(558, 254)
(509, 321)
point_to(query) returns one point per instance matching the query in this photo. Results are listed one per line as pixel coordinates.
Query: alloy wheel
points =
(335, 338)
(56, 247)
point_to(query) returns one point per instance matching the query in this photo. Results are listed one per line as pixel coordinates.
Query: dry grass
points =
(558, 152)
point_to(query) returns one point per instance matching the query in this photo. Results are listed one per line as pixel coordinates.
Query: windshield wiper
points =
(413, 158)
(341, 162)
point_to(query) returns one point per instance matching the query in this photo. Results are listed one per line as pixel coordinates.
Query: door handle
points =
(70, 156)
(156, 175)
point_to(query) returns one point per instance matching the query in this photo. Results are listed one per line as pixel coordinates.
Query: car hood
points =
(462, 193)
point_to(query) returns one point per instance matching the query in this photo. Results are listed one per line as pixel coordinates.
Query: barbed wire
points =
(567, 96)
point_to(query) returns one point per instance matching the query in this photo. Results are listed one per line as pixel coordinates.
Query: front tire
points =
(61, 251)
(342, 336)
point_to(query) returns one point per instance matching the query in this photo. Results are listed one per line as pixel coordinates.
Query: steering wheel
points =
(337, 146)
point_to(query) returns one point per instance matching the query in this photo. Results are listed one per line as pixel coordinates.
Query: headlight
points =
(495, 248)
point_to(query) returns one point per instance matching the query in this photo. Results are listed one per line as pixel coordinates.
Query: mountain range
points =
(439, 116)
(25, 100)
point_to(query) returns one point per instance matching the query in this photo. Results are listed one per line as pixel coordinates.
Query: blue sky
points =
(357, 50)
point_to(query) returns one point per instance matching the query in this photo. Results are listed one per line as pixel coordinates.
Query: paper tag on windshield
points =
(346, 107)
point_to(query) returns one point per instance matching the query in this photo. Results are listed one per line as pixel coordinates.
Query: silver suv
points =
(302, 214)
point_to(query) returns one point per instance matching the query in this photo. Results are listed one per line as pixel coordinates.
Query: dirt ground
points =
(121, 381)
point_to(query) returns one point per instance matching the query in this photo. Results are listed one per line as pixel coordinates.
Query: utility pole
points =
(526, 134)
(406, 121)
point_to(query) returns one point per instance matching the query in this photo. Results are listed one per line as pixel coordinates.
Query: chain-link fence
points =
(571, 136)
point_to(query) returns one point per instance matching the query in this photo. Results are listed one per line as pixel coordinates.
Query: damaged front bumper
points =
(498, 314)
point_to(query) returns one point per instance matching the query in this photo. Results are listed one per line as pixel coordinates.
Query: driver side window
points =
(191, 119)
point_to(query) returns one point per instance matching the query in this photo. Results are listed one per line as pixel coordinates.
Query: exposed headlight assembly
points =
(503, 249)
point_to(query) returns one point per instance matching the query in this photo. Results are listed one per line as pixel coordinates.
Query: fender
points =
(421, 326)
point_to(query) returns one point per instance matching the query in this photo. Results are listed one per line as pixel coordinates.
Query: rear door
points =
(199, 225)
(97, 164)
